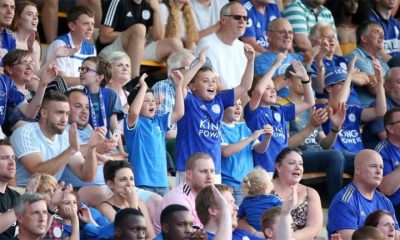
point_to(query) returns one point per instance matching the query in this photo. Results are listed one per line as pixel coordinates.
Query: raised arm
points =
(300, 72)
(262, 83)
(189, 74)
(262, 146)
(224, 219)
(283, 224)
(179, 108)
(230, 149)
(337, 119)
(247, 78)
(134, 110)
(379, 110)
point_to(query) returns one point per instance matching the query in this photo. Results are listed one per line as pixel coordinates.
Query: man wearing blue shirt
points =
(389, 149)
(356, 201)
(260, 13)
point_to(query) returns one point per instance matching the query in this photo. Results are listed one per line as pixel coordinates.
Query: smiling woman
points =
(24, 26)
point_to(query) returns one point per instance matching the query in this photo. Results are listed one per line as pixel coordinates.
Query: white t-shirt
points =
(29, 139)
(207, 16)
(229, 62)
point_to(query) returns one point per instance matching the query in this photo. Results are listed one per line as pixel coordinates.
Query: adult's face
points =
(328, 35)
(179, 226)
(123, 179)
(55, 115)
(121, 70)
(290, 169)
(392, 86)
(7, 10)
(29, 19)
(202, 174)
(280, 36)
(386, 4)
(235, 27)
(7, 163)
(393, 128)
(387, 227)
(369, 170)
(374, 38)
(22, 70)
(79, 109)
(34, 218)
(134, 227)
(233, 207)
(350, 6)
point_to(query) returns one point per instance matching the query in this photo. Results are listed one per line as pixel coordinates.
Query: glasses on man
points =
(238, 17)
(395, 122)
(86, 69)
(26, 63)
(282, 32)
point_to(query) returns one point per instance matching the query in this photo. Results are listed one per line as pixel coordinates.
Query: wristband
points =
(305, 82)
(52, 212)
(335, 130)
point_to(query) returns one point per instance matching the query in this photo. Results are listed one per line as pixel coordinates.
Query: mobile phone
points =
(115, 135)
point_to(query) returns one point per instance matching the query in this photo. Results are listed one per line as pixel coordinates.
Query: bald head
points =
(368, 170)
(364, 155)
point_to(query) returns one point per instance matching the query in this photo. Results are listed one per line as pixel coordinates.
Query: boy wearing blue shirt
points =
(145, 134)
(261, 110)
(337, 85)
(199, 129)
(237, 145)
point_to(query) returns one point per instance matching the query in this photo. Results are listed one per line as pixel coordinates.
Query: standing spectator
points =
(224, 48)
(260, 14)
(207, 15)
(360, 198)
(8, 197)
(24, 26)
(303, 15)
(81, 25)
(124, 27)
(7, 11)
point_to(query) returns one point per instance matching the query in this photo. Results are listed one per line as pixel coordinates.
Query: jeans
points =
(238, 195)
(330, 161)
(159, 190)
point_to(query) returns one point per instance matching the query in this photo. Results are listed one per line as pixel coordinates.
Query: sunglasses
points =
(238, 17)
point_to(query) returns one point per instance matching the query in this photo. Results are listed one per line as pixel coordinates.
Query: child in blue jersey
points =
(261, 110)
(337, 85)
(237, 145)
(257, 186)
(145, 134)
(199, 129)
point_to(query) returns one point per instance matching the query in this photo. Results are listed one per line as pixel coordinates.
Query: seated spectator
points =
(307, 215)
(199, 129)
(81, 24)
(369, 46)
(262, 110)
(257, 186)
(305, 132)
(382, 220)
(24, 26)
(326, 61)
(176, 223)
(360, 198)
(374, 131)
(47, 148)
(8, 197)
(303, 15)
(128, 219)
(260, 14)
(68, 211)
(389, 149)
(348, 15)
(225, 51)
(280, 38)
(237, 145)
(381, 13)
(367, 233)
(119, 178)
(217, 211)
(143, 125)
(31, 214)
(125, 27)
(207, 15)
(8, 42)
(19, 67)
(200, 172)
(349, 138)
(179, 21)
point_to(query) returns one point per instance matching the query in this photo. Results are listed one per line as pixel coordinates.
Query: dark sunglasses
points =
(238, 17)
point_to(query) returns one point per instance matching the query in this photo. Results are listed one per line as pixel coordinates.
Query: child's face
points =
(69, 201)
(205, 85)
(88, 74)
(269, 96)
(83, 26)
(148, 109)
(233, 114)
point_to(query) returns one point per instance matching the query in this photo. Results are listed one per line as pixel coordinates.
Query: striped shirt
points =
(303, 18)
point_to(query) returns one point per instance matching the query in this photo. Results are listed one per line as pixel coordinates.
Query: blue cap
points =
(337, 75)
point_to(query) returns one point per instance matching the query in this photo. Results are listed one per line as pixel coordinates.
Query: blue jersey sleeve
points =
(289, 112)
(341, 217)
(227, 97)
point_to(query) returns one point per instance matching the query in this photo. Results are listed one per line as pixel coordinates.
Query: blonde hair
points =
(257, 182)
(46, 179)
(173, 24)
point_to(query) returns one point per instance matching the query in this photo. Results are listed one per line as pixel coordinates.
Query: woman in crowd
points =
(119, 178)
(382, 220)
(307, 213)
(24, 26)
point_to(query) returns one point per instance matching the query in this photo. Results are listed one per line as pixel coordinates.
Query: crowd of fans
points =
(257, 93)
